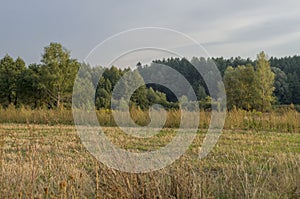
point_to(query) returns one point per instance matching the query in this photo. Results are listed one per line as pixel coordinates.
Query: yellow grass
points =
(42, 161)
(287, 120)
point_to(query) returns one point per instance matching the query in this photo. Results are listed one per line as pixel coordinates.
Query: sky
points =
(224, 28)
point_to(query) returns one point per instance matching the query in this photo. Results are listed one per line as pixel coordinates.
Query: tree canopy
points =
(250, 84)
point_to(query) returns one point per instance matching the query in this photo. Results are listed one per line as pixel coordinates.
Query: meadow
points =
(257, 156)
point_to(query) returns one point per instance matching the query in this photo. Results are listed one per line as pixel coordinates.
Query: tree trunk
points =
(58, 100)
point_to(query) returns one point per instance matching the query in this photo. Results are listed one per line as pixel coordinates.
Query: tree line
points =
(250, 84)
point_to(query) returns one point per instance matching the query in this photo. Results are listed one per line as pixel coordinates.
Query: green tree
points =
(200, 92)
(294, 88)
(113, 74)
(102, 99)
(131, 80)
(241, 87)
(265, 80)
(58, 73)
(30, 88)
(84, 89)
(10, 73)
(281, 92)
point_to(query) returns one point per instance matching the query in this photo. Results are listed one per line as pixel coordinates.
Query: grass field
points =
(42, 161)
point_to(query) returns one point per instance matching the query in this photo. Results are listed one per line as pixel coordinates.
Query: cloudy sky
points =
(224, 28)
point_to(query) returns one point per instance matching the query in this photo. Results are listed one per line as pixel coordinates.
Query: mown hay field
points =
(49, 161)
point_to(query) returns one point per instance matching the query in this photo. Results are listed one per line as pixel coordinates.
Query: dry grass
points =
(41, 161)
(285, 120)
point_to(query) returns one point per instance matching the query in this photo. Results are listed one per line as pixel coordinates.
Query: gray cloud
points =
(227, 28)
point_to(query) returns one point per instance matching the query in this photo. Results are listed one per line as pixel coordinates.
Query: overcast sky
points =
(225, 28)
